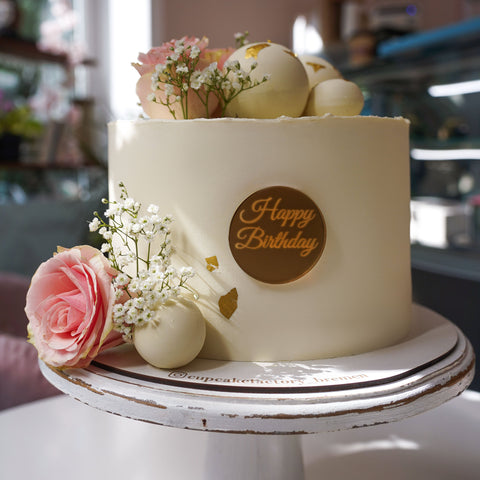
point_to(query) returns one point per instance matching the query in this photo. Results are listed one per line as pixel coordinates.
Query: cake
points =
(355, 296)
(290, 238)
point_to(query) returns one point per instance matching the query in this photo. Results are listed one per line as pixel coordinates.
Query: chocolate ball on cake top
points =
(285, 92)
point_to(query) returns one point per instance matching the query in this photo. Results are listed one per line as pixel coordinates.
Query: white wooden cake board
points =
(432, 365)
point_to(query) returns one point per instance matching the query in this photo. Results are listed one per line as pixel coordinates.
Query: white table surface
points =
(61, 438)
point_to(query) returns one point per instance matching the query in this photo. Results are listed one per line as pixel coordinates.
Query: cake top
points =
(184, 79)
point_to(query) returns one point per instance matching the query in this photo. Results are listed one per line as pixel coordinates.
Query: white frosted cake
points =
(297, 228)
(290, 235)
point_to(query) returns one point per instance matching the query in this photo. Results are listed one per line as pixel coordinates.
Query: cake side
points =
(356, 298)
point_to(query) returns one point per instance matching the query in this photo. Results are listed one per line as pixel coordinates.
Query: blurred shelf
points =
(27, 49)
(457, 35)
(455, 263)
(422, 56)
(51, 166)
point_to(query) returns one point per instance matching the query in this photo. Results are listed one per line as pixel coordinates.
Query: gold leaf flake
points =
(212, 263)
(289, 52)
(316, 66)
(228, 303)
(252, 52)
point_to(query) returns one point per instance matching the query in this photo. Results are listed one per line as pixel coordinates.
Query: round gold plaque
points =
(277, 234)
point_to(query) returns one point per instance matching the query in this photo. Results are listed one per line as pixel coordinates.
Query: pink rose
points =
(69, 307)
(158, 55)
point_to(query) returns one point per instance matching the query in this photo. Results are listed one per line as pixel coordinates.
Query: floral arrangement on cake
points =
(80, 302)
(184, 79)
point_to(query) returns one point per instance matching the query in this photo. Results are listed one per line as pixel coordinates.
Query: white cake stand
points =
(266, 401)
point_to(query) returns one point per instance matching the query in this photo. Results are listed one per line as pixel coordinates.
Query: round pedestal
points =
(432, 365)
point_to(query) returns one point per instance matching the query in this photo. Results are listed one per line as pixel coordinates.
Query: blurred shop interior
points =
(65, 72)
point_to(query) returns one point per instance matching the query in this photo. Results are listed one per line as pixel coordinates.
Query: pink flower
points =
(69, 307)
(158, 55)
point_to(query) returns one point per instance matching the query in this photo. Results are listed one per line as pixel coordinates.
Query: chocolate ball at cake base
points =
(174, 337)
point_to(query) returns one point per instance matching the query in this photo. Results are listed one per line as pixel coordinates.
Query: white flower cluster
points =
(146, 292)
(155, 280)
(179, 76)
(241, 39)
(234, 79)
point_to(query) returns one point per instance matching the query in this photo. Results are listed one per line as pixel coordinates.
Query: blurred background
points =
(65, 71)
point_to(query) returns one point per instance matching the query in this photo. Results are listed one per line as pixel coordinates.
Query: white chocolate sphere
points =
(318, 69)
(335, 96)
(285, 93)
(174, 337)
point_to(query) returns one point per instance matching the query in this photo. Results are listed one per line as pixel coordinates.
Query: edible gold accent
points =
(316, 66)
(228, 303)
(292, 54)
(212, 263)
(253, 51)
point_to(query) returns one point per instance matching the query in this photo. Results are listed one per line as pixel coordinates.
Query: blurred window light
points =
(453, 154)
(130, 33)
(451, 89)
(306, 38)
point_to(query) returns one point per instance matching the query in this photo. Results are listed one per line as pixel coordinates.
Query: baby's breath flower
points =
(163, 296)
(180, 49)
(144, 221)
(153, 209)
(241, 39)
(194, 52)
(149, 235)
(169, 89)
(121, 279)
(155, 281)
(128, 203)
(134, 228)
(118, 294)
(187, 272)
(170, 271)
(109, 212)
(94, 225)
(155, 220)
(160, 68)
(105, 233)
